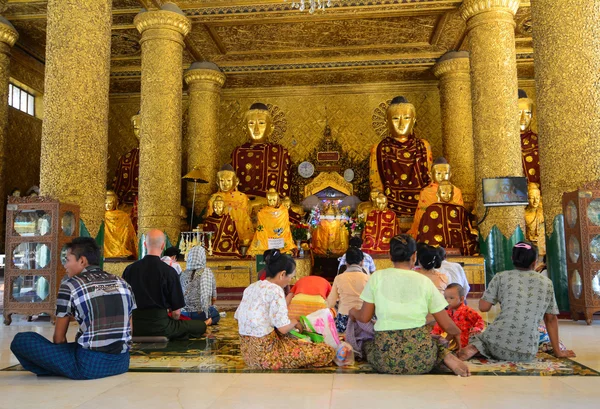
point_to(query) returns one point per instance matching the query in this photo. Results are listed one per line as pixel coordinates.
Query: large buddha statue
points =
(120, 240)
(400, 163)
(529, 140)
(534, 219)
(225, 240)
(273, 229)
(125, 182)
(296, 212)
(440, 171)
(447, 224)
(381, 225)
(236, 203)
(365, 207)
(261, 165)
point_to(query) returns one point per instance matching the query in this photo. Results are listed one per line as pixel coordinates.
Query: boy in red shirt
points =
(466, 318)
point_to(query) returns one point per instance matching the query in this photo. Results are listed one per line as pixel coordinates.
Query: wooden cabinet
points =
(37, 229)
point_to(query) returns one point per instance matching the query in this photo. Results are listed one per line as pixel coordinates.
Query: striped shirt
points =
(101, 304)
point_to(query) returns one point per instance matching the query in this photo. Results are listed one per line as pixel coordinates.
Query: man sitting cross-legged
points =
(101, 303)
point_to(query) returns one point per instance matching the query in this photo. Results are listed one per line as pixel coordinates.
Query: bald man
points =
(157, 291)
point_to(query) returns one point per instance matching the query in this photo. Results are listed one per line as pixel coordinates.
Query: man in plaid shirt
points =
(102, 305)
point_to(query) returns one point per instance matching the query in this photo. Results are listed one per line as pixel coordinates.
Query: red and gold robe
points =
(295, 218)
(125, 182)
(225, 240)
(238, 207)
(531, 157)
(447, 225)
(381, 226)
(272, 231)
(401, 170)
(427, 197)
(261, 167)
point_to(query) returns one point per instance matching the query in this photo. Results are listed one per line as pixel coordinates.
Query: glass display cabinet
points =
(37, 230)
(582, 235)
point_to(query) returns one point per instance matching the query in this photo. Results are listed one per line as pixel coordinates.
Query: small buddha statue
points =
(401, 162)
(381, 225)
(125, 182)
(296, 212)
(365, 207)
(259, 164)
(529, 140)
(236, 203)
(440, 171)
(225, 240)
(534, 219)
(273, 228)
(447, 224)
(120, 240)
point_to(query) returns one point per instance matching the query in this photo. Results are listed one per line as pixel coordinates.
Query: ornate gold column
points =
(160, 134)
(567, 63)
(494, 90)
(75, 128)
(205, 80)
(453, 71)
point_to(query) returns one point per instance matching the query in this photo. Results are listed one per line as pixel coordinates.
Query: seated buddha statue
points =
(236, 203)
(447, 224)
(261, 165)
(273, 229)
(529, 140)
(296, 212)
(440, 171)
(125, 182)
(534, 219)
(381, 225)
(225, 240)
(365, 207)
(400, 163)
(120, 240)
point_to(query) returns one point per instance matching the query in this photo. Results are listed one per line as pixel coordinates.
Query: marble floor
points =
(191, 390)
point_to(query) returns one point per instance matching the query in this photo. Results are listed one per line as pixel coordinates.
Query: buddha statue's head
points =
(445, 191)
(111, 201)
(287, 202)
(440, 170)
(272, 198)
(401, 117)
(381, 202)
(258, 123)
(219, 206)
(136, 121)
(227, 179)
(534, 196)
(373, 195)
(183, 213)
(525, 111)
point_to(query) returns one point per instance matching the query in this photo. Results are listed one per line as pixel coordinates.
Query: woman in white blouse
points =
(264, 324)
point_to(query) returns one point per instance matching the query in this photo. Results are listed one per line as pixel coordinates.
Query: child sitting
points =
(466, 318)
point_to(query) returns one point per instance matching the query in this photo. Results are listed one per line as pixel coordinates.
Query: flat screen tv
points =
(508, 191)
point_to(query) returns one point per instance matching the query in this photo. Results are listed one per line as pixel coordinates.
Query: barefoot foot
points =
(456, 365)
(467, 352)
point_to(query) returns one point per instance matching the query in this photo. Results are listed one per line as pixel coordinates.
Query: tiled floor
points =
(179, 390)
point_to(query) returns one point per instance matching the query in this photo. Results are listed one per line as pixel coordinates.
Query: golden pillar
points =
(567, 63)
(3, 4)
(75, 128)
(494, 90)
(162, 44)
(205, 80)
(453, 71)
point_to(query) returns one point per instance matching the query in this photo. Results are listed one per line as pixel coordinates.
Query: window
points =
(20, 99)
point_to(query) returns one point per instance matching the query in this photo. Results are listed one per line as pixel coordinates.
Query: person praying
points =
(199, 288)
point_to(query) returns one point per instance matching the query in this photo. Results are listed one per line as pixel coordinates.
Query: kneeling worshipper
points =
(157, 291)
(264, 324)
(447, 224)
(526, 298)
(170, 258)
(347, 288)
(308, 295)
(199, 288)
(225, 240)
(381, 225)
(101, 303)
(403, 298)
(368, 263)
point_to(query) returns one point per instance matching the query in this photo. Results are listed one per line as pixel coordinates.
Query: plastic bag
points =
(323, 323)
(344, 355)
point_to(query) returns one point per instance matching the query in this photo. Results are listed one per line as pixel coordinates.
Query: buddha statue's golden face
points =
(259, 125)
(227, 180)
(183, 212)
(111, 201)
(440, 172)
(525, 114)
(135, 123)
(373, 195)
(272, 199)
(287, 202)
(401, 120)
(445, 192)
(219, 206)
(535, 197)
(381, 202)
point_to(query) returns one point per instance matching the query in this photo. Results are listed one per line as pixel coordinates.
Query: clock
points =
(306, 169)
(348, 175)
